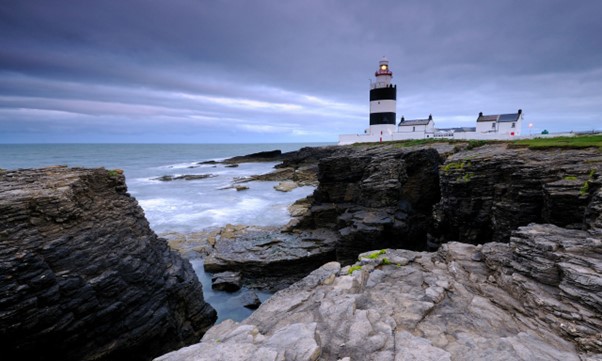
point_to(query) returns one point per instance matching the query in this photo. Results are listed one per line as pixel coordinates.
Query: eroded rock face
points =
(488, 192)
(82, 276)
(535, 298)
(376, 197)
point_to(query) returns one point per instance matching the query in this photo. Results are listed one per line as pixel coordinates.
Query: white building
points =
(383, 104)
(502, 124)
(418, 126)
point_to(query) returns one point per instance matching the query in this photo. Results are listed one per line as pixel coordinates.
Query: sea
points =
(181, 205)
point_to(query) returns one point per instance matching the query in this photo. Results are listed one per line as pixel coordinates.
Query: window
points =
(513, 125)
(492, 125)
(413, 129)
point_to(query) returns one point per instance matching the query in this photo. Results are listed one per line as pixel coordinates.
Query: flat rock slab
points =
(186, 177)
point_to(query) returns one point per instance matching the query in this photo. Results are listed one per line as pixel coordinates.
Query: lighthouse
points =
(383, 102)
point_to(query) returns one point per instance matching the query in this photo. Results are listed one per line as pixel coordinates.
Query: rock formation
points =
(488, 192)
(534, 294)
(265, 257)
(536, 298)
(82, 276)
(375, 197)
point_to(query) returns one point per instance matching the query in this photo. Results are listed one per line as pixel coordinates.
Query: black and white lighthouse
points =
(383, 99)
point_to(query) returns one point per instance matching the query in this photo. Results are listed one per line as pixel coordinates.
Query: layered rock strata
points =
(488, 192)
(376, 197)
(267, 258)
(83, 277)
(536, 298)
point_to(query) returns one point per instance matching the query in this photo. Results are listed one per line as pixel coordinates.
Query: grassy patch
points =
(576, 142)
(385, 261)
(354, 268)
(570, 178)
(415, 142)
(465, 178)
(375, 255)
(114, 172)
(456, 165)
(476, 143)
(584, 191)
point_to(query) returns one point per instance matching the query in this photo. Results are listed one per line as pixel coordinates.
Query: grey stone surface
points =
(226, 281)
(465, 302)
(83, 277)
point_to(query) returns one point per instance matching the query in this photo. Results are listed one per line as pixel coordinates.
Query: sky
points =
(258, 71)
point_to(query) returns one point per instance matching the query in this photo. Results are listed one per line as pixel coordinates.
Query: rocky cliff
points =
(388, 196)
(375, 197)
(82, 276)
(488, 192)
(535, 293)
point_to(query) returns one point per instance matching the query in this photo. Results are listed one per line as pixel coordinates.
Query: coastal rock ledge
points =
(534, 298)
(83, 277)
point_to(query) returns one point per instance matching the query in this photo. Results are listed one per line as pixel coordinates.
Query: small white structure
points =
(504, 124)
(418, 126)
(383, 103)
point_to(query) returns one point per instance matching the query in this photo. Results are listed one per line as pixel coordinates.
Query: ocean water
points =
(176, 206)
(180, 206)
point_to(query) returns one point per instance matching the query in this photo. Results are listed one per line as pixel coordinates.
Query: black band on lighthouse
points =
(382, 118)
(388, 93)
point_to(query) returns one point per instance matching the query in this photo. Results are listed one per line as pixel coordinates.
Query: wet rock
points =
(226, 281)
(83, 277)
(286, 186)
(250, 300)
(266, 257)
(267, 156)
(187, 177)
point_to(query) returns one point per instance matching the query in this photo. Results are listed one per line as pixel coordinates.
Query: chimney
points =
(480, 114)
(430, 117)
(520, 111)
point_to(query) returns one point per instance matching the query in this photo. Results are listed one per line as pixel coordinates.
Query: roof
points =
(415, 122)
(510, 117)
(487, 118)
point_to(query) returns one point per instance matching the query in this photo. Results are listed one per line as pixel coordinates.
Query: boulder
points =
(250, 300)
(226, 281)
(286, 186)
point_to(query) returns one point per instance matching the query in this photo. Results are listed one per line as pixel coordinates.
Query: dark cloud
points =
(291, 70)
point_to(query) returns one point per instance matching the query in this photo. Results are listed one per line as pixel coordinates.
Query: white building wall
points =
(412, 128)
(487, 127)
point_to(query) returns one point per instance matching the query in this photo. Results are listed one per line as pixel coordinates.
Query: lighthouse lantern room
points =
(383, 101)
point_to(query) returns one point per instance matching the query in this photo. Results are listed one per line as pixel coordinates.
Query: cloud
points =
(252, 69)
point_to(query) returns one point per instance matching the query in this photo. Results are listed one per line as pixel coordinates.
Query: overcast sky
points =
(236, 71)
